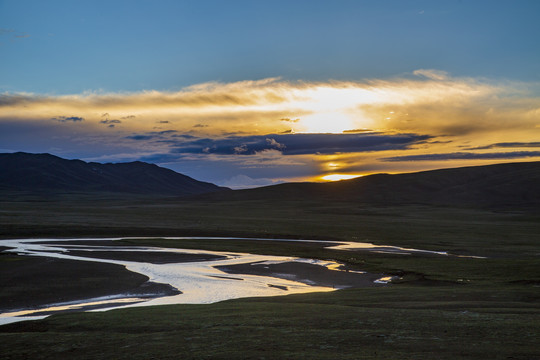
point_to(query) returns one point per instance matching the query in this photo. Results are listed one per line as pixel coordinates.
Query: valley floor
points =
(442, 308)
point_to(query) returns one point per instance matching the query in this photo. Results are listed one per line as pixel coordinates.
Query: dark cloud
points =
(140, 137)
(184, 136)
(68, 118)
(163, 122)
(159, 135)
(129, 117)
(164, 132)
(302, 144)
(110, 121)
(465, 156)
(200, 126)
(507, 145)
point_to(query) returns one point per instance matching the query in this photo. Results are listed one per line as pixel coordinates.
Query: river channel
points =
(199, 276)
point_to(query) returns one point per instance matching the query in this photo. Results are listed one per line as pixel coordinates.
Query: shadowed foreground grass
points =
(400, 322)
(444, 308)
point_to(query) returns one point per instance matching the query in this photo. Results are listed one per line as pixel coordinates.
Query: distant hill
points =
(501, 185)
(46, 173)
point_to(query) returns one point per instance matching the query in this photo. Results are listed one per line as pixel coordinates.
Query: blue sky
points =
(465, 73)
(75, 46)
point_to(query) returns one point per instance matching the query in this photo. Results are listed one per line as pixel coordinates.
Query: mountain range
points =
(46, 173)
(500, 185)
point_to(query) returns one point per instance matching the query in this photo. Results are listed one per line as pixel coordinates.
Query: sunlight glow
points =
(326, 122)
(337, 177)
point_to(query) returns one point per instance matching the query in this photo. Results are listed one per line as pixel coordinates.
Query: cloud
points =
(507, 145)
(304, 127)
(290, 120)
(432, 74)
(274, 144)
(434, 103)
(465, 156)
(160, 135)
(68, 119)
(237, 149)
(140, 137)
(301, 144)
(13, 34)
(357, 131)
(4, 31)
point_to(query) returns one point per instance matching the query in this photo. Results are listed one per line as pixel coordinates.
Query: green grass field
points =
(442, 308)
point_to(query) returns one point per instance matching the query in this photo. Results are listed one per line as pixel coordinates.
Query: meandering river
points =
(201, 276)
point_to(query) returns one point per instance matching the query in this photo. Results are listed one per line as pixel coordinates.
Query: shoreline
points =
(30, 282)
(40, 280)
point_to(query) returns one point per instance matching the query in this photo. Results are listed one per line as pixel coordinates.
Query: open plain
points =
(442, 307)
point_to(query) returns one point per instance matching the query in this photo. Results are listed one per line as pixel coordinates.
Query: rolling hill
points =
(501, 185)
(46, 173)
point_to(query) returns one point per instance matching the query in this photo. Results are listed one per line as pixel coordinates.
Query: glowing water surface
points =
(200, 282)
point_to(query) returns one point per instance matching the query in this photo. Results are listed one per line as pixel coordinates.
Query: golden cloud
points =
(431, 103)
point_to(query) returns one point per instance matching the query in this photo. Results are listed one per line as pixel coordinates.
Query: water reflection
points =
(195, 273)
(203, 276)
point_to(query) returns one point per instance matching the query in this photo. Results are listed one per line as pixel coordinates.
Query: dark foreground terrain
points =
(442, 307)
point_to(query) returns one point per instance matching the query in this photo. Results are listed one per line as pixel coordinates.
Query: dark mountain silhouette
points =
(514, 184)
(46, 173)
(502, 185)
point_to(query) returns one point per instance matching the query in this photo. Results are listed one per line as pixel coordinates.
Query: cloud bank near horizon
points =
(286, 130)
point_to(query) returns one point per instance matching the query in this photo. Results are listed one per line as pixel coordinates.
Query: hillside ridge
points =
(48, 173)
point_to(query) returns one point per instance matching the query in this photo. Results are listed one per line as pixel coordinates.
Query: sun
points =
(326, 122)
(338, 177)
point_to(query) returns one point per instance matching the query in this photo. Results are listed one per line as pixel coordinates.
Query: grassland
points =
(442, 308)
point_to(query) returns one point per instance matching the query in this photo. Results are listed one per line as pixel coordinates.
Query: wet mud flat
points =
(29, 282)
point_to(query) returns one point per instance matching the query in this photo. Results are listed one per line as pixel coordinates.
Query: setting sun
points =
(337, 177)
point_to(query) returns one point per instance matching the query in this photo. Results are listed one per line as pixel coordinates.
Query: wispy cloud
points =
(508, 145)
(13, 35)
(465, 156)
(432, 74)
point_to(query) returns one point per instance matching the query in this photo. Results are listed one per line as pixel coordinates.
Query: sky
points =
(253, 93)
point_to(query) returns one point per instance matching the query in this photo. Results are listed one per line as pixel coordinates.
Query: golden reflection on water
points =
(71, 306)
